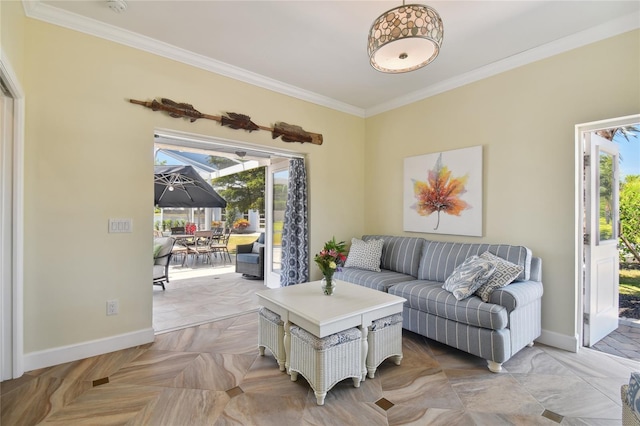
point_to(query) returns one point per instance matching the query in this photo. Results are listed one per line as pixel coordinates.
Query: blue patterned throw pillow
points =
(504, 274)
(469, 276)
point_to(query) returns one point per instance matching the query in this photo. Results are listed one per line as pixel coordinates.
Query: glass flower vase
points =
(328, 285)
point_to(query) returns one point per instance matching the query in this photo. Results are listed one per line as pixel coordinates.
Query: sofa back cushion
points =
(439, 259)
(399, 254)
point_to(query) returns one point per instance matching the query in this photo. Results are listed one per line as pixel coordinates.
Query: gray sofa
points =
(416, 268)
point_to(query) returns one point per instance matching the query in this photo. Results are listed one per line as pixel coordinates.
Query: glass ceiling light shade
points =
(405, 38)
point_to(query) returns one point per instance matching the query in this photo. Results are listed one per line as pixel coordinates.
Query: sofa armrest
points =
(536, 269)
(244, 248)
(517, 294)
(162, 260)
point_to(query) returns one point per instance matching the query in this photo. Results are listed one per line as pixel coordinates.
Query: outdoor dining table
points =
(183, 239)
(189, 240)
(180, 237)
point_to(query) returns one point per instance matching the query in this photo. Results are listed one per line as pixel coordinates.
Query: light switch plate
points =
(120, 225)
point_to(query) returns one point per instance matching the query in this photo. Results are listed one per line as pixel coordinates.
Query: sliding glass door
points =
(277, 189)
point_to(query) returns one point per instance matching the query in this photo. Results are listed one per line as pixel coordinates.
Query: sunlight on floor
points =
(201, 294)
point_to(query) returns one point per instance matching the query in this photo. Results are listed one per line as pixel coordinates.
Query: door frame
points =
(199, 141)
(12, 283)
(271, 278)
(580, 129)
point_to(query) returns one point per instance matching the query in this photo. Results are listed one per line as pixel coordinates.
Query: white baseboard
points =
(560, 341)
(62, 354)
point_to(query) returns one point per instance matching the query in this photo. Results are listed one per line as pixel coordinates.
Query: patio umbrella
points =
(182, 186)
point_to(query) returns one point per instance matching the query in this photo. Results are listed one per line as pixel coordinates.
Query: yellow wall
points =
(12, 21)
(90, 158)
(525, 121)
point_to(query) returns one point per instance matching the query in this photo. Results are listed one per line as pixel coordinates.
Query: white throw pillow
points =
(468, 277)
(256, 247)
(365, 255)
(504, 274)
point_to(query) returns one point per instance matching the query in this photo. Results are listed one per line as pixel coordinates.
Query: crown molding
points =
(44, 12)
(608, 29)
(38, 10)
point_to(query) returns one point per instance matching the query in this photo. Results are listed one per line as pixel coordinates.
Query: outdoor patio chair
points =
(221, 246)
(201, 245)
(250, 259)
(179, 252)
(162, 251)
(218, 233)
(177, 230)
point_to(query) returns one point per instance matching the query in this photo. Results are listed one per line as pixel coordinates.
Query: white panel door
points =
(601, 242)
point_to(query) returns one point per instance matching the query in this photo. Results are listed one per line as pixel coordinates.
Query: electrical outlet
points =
(112, 307)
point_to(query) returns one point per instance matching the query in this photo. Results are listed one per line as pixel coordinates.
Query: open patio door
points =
(277, 187)
(601, 238)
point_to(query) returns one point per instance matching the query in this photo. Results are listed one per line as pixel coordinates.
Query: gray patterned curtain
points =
(295, 234)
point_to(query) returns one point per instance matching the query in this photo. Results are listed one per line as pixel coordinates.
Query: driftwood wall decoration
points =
(288, 132)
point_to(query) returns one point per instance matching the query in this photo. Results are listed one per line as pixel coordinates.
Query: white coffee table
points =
(351, 305)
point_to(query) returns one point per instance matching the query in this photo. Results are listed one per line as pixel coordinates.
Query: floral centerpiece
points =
(190, 228)
(329, 260)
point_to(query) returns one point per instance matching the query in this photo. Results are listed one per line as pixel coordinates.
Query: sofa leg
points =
(530, 344)
(494, 367)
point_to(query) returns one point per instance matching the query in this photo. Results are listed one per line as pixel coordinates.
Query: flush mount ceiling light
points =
(117, 6)
(405, 38)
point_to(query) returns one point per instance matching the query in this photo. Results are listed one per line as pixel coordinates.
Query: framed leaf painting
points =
(443, 192)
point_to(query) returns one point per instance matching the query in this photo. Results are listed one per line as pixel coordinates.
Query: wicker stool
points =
(271, 335)
(324, 362)
(629, 415)
(385, 340)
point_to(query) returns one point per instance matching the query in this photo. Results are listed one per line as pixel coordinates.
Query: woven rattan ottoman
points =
(385, 340)
(326, 361)
(271, 335)
(629, 416)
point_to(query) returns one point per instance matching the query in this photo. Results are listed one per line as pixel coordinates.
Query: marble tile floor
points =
(211, 374)
(624, 341)
(202, 293)
(229, 294)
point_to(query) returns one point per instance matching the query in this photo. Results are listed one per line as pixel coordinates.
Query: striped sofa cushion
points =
(439, 259)
(430, 297)
(399, 254)
(380, 281)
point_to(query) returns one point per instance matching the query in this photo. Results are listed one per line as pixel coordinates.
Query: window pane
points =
(280, 189)
(605, 223)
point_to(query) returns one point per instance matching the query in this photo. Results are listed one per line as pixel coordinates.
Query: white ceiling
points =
(317, 50)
